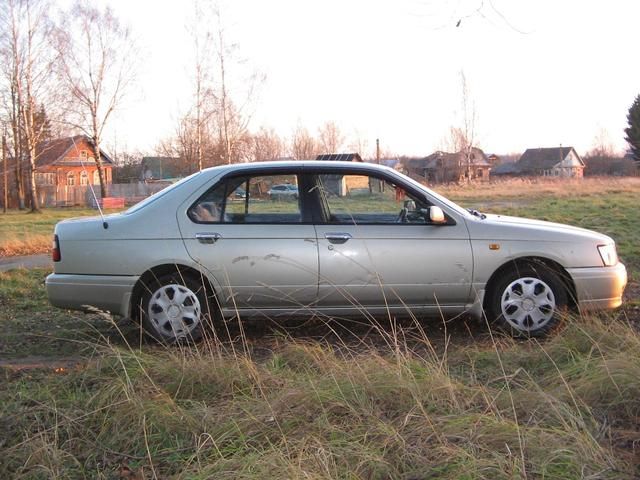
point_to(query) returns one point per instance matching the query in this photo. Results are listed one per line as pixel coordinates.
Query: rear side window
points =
(250, 199)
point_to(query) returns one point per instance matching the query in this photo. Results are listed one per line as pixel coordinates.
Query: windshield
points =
(140, 205)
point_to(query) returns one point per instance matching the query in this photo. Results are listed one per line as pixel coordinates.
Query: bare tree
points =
(96, 63)
(303, 145)
(28, 57)
(12, 95)
(234, 111)
(204, 98)
(267, 145)
(602, 144)
(330, 137)
(468, 124)
(359, 144)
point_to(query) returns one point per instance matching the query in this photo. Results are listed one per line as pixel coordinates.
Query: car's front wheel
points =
(174, 308)
(528, 300)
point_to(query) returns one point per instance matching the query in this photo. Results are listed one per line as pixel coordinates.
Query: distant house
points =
(494, 159)
(343, 185)
(69, 161)
(551, 162)
(444, 167)
(159, 169)
(340, 157)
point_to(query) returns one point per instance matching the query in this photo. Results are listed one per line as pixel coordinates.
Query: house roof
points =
(441, 159)
(340, 157)
(55, 150)
(508, 168)
(543, 158)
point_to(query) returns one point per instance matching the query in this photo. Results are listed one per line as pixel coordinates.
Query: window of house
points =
(84, 178)
(45, 178)
(96, 177)
(83, 154)
(71, 178)
(364, 199)
(254, 199)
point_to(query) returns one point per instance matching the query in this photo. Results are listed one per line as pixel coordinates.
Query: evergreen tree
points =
(633, 131)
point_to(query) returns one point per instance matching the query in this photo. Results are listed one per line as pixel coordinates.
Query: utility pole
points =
(5, 172)
(378, 151)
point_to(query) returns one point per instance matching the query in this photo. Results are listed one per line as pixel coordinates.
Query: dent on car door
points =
(377, 248)
(259, 249)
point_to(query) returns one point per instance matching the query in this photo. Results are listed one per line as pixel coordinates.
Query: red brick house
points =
(69, 161)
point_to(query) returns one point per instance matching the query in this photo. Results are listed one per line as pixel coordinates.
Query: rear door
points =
(259, 247)
(377, 248)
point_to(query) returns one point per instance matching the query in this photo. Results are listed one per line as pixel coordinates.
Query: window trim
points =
(312, 216)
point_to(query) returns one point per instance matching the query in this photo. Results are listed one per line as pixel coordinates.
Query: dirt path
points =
(34, 362)
(25, 261)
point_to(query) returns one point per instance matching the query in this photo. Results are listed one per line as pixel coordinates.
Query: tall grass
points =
(23, 233)
(497, 408)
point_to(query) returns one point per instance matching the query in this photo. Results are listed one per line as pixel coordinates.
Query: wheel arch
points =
(533, 261)
(166, 269)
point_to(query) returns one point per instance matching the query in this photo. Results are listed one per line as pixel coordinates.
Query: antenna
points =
(105, 225)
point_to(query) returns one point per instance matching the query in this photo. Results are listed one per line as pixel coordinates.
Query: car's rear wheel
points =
(174, 308)
(527, 301)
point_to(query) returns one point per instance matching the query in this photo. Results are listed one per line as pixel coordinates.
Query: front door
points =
(377, 248)
(255, 241)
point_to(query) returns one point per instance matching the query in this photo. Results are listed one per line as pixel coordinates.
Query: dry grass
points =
(27, 244)
(23, 233)
(535, 187)
(495, 409)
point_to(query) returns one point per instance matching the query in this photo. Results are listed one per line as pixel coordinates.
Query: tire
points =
(527, 301)
(174, 308)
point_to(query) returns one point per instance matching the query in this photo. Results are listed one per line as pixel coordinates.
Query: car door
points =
(261, 249)
(377, 248)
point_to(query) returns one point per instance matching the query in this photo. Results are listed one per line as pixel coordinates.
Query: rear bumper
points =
(599, 288)
(109, 293)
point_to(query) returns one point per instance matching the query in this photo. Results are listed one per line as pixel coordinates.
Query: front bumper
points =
(109, 293)
(599, 288)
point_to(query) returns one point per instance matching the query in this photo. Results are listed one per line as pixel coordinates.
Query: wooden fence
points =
(81, 195)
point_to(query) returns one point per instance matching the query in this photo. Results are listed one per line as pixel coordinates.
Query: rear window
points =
(140, 205)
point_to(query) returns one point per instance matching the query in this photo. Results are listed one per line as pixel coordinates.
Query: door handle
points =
(208, 238)
(334, 237)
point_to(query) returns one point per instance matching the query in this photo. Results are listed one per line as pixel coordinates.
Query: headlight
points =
(608, 254)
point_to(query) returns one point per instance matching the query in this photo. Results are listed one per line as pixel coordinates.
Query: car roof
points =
(311, 164)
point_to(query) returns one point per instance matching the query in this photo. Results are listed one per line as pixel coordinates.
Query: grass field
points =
(23, 233)
(410, 402)
(83, 396)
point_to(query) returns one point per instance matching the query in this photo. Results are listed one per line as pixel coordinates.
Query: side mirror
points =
(436, 215)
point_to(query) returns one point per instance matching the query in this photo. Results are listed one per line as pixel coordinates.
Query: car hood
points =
(517, 228)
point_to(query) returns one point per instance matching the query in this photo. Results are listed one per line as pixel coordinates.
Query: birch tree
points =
(96, 60)
(204, 101)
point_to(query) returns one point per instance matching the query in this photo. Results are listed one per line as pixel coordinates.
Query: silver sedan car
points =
(358, 238)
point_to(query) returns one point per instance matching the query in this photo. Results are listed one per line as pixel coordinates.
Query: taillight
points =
(55, 250)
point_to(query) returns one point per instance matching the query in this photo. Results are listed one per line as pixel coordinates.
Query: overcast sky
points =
(540, 72)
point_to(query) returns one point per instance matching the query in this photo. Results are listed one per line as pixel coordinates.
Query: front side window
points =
(250, 199)
(364, 199)
(71, 178)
